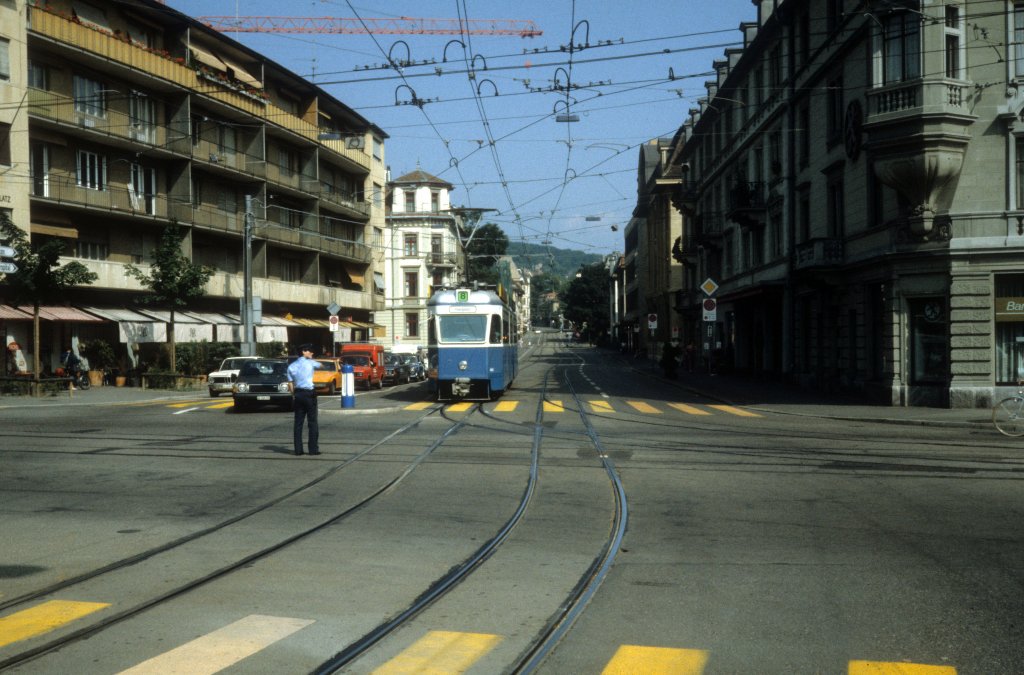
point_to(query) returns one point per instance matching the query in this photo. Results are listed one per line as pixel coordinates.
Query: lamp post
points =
(248, 344)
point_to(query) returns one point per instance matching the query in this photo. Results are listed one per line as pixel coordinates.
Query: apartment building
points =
(423, 251)
(118, 119)
(853, 182)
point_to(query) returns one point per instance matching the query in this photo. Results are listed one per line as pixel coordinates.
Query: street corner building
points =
(119, 119)
(852, 184)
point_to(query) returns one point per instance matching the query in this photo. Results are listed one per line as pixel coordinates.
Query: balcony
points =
(708, 229)
(113, 198)
(57, 107)
(918, 97)
(442, 259)
(816, 254)
(349, 205)
(215, 155)
(747, 204)
(208, 217)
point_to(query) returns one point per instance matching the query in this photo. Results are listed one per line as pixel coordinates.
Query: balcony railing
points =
(709, 227)
(442, 259)
(113, 197)
(819, 253)
(208, 152)
(917, 97)
(331, 195)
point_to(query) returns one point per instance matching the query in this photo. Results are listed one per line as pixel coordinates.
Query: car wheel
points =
(380, 383)
(330, 389)
(214, 394)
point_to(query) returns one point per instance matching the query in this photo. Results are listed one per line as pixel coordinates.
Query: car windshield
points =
(463, 328)
(356, 360)
(328, 366)
(263, 368)
(233, 364)
(391, 359)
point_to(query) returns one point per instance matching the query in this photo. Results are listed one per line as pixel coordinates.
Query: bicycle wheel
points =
(1008, 416)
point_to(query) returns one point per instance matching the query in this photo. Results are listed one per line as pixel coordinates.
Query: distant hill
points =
(556, 261)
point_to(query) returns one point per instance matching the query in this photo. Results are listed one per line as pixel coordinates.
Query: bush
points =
(99, 353)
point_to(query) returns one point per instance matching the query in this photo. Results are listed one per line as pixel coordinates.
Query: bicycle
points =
(1008, 414)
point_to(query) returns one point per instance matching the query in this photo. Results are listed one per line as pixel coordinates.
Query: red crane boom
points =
(404, 25)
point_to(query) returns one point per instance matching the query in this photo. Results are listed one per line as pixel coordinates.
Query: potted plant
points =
(101, 356)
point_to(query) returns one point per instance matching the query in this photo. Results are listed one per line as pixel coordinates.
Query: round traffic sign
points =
(709, 304)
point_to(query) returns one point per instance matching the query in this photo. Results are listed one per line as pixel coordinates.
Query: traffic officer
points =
(300, 375)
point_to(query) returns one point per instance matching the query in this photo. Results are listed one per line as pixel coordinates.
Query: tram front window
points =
(463, 328)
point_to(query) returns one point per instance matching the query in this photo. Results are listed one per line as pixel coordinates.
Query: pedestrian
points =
(300, 375)
(690, 355)
(669, 359)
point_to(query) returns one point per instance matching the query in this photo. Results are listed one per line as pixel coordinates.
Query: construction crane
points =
(403, 25)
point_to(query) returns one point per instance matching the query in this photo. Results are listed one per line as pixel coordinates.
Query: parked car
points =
(364, 372)
(327, 378)
(220, 381)
(416, 370)
(262, 382)
(395, 369)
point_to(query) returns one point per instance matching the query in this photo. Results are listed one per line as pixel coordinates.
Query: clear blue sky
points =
(558, 182)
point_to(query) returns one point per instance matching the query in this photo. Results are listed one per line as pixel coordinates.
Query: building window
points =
(91, 249)
(804, 135)
(91, 170)
(1009, 319)
(775, 225)
(410, 201)
(5, 144)
(5, 59)
(39, 168)
(435, 202)
(412, 324)
(410, 245)
(804, 212)
(834, 15)
(377, 195)
(378, 149)
(142, 189)
(836, 110)
(954, 60)
(38, 76)
(142, 115)
(90, 97)
(1018, 39)
(835, 205)
(412, 284)
(290, 270)
(901, 46)
(775, 68)
(929, 341)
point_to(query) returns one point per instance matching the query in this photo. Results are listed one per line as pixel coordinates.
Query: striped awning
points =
(48, 313)
(8, 312)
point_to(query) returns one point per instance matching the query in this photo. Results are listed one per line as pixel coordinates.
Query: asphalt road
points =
(758, 543)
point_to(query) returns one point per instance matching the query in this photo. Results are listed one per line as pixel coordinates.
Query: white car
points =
(220, 380)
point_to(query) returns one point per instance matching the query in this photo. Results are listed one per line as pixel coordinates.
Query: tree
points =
(40, 277)
(173, 279)
(487, 243)
(587, 298)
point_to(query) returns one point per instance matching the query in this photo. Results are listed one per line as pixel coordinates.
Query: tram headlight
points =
(463, 365)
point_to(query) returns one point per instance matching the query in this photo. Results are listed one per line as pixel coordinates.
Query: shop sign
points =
(1009, 309)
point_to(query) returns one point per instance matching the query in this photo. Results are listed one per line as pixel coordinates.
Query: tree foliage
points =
(40, 277)
(174, 280)
(586, 300)
(488, 243)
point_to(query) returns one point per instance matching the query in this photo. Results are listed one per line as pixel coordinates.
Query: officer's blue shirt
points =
(301, 372)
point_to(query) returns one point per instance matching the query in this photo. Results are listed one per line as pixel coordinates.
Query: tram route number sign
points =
(462, 295)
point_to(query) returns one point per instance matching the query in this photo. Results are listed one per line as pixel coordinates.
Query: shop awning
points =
(187, 328)
(13, 313)
(132, 326)
(310, 323)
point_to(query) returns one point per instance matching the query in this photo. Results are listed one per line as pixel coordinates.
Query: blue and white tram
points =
(472, 343)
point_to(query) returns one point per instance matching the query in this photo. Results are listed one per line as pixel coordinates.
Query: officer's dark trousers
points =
(305, 408)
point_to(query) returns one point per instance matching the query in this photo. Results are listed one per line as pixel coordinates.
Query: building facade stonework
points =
(853, 181)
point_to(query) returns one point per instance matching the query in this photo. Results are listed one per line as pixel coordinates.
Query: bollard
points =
(348, 387)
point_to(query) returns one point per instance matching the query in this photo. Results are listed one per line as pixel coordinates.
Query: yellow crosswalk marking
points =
(601, 406)
(422, 405)
(732, 410)
(644, 407)
(44, 618)
(222, 648)
(689, 409)
(632, 659)
(217, 406)
(553, 406)
(185, 404)
(506, 406)
(891, 668)
(441, 652)
(460, 407)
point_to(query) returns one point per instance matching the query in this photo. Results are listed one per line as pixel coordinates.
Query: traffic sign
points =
(709, 286)
(710, 309)
(333, 320)
(652, 321)
(7, 252)
(8, 268)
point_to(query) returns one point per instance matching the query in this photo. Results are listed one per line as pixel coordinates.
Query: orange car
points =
(327, 378)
